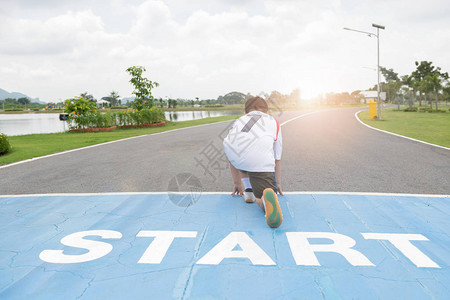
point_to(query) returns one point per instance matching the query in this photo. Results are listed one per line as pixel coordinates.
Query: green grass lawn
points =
(429, 127)
(35, 145)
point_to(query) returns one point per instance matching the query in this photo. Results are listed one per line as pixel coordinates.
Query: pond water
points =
(20, 124)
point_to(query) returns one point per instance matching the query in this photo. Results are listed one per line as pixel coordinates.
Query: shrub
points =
(79, 106)
(121, 118)
(134, 117)
(5, 147)
(13, 109)
(90, 120)
(410, 109)
(119, 107)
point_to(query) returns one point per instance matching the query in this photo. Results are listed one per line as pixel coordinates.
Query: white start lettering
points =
(241, 245)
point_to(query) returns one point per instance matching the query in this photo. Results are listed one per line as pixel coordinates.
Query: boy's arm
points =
(278, 176)
(238, 186)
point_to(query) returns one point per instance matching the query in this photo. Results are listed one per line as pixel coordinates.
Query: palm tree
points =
(436, 85)
(411, 83)
(88, 97)
(446, 92)
(114, 98)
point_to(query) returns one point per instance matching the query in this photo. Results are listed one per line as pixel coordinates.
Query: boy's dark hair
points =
(256, 103)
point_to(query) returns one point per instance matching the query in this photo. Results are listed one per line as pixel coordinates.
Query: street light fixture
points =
(370, 34)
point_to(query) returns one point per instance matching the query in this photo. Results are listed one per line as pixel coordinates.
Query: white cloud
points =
(207, 48)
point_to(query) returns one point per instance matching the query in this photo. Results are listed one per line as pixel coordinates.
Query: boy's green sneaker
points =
(274, 217)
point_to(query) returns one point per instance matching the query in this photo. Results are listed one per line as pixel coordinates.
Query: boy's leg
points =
(262, 183)
(248, 191)
(275, 183)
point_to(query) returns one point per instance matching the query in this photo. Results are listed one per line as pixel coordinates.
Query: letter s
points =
(95, 249)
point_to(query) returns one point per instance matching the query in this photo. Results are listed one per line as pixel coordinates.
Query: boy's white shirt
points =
(257, 149)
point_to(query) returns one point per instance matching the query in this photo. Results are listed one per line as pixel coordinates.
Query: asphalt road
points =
(327, 150)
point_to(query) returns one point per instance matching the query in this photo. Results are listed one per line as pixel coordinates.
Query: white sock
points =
(264, 204)
(246, 183)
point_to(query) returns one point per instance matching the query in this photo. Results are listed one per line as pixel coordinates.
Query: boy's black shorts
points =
(260, 181)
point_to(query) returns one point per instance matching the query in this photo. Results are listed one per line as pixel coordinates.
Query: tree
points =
(142, 88)
(423, 69)
(79, 106)
(276, 98)
(446, 92)
(171, 103)
(411, 84)
(389, 74)
(294, 97)
(392, 89)
(393, 83)
(24, 101)
(233, 98)
(114, 98)
(107, 99)
(357, 97)
(88, 97)
(433, 84)
(338, 98)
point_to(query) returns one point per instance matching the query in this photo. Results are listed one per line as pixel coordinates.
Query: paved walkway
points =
(214, 246)
(326, 150)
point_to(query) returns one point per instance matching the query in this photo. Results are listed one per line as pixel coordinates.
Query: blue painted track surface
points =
(31, 224)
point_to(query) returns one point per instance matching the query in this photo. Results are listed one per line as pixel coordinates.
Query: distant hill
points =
(125, 99)
(15, 95)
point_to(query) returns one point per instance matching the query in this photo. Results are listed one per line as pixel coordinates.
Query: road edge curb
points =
(395, 134)
(102, 144)
(222, 193)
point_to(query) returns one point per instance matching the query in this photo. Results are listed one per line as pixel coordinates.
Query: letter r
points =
(303, 251)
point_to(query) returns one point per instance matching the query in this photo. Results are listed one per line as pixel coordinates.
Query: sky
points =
(57, 49)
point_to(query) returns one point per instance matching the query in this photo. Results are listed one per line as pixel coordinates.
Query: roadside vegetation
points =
(35, 145)
(427, 84)
(432, 127)
(422, 104)
(5, 147)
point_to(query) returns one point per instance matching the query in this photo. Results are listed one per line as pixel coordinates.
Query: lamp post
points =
(370, 34)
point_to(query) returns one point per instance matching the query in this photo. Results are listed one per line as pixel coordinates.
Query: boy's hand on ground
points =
(238, 190)
(280, 191)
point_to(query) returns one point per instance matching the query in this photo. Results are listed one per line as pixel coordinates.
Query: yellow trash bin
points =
(372, 109)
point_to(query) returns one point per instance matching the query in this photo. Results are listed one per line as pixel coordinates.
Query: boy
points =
(253, 147)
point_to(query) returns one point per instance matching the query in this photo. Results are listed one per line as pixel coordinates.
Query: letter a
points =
(224, 249)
